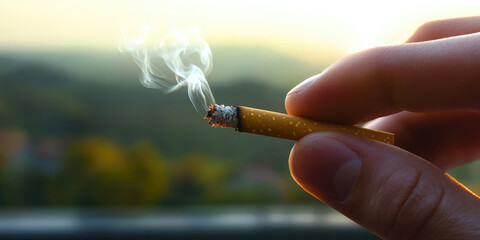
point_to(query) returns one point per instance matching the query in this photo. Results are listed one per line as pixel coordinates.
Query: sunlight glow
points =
(311, 30)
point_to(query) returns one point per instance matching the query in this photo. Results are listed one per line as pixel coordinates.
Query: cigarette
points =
(280, 125)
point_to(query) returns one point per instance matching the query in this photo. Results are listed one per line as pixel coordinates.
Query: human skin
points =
(427, 92)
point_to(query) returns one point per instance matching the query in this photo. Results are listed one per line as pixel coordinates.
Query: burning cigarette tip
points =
(223, 116)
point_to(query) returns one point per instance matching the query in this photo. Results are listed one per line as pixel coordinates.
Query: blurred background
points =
(86, 151)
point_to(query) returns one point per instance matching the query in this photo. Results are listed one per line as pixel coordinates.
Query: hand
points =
(427, 92)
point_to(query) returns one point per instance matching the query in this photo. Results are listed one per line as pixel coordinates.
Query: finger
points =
(447, 139)
(446, 28)
(428, 76)
(389, 191)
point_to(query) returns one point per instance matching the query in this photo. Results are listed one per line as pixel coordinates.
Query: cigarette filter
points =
(274, 124)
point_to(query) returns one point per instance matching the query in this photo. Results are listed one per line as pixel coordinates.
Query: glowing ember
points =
(223, 116)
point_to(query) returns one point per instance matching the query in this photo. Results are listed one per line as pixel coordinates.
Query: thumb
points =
(391, 192)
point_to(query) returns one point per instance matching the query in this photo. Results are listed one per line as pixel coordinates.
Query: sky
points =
(310, 30)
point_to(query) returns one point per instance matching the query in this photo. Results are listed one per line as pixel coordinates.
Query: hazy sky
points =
(312, 30)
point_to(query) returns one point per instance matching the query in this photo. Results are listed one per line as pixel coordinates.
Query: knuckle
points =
(415, 205)
(377, 60)
(382, 62)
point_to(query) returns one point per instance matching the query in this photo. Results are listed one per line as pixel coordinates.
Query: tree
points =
(148, 175)
(97, 172)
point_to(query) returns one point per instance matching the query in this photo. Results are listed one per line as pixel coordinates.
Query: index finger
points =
(446, 28)
(419, 77)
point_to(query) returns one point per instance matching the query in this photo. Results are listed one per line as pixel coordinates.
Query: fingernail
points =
(325, 165)
(303, 85)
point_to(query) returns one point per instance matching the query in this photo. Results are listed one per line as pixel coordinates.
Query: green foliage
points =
(199, 179)
(93, 174)
(97, 172)
(148, 175)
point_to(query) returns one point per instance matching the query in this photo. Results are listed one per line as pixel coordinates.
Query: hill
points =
(232, 64)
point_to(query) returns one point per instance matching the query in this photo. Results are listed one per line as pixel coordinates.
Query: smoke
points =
(181, 59)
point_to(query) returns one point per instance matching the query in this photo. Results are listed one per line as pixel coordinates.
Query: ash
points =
(223, 116)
